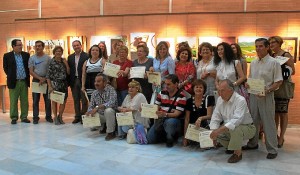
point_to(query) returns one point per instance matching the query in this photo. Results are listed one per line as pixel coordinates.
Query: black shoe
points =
(35, 121)
(249, 148)
(229, 151)
(49, 119)
(103, 131)
(234, 158)
(13, 122)
(76, 120)
(110, 136)
(169, 143)
(271, 156)
(25, 120)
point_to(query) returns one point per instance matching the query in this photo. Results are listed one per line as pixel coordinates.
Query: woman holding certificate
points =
(143, 61)
(57, 81)
(199, 107)
(90, 69)
(132, 103)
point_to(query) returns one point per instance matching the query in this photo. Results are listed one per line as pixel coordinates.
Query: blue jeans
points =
(171, 127)
(122, 130)
(36, 102)
(121, 96)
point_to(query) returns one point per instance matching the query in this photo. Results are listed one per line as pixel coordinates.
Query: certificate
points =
(281, 60)
(256, 86)
(192, 132)
(91, 121)
(58, 97)
(111, 69)
(154, 77)
(137, 72)
(149, 111)
(205, 140)
(37, 88)
(125, 119)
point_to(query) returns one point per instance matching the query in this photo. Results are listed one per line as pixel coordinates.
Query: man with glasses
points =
(15, 65)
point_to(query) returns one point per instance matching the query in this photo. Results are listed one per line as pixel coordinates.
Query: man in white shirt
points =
(238, 125)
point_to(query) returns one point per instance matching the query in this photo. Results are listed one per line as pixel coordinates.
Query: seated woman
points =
(198, 108)
(132, 103)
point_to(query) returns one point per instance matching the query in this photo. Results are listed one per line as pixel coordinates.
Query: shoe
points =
(25, 120)
(249, 148)
(35, 121)
(13, 122)
(76, 120)
(234, 158)
(271, 156)
(122, 137)
(49, 119)
(56, 121)
(110, 136)
(93, 129)
(60, 120)
(169, 143)
(102, 131)
(229, 151)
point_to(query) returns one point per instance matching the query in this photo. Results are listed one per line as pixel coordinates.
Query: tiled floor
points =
(70, 149)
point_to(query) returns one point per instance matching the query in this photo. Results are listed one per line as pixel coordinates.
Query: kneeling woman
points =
(198, 108)
(132, 103)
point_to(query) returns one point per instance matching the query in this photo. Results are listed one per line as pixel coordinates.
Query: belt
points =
(20, 79)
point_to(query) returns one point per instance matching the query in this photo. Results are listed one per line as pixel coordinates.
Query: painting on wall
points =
(8, 43)
(70, 40)
(247, 45)
(171, 44)
(214, 40)
(135, 38)
(192, 41)
(290, 44)
(49, 46)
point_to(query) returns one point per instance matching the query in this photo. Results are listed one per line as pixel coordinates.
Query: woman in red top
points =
(122, 80)
(185, 69)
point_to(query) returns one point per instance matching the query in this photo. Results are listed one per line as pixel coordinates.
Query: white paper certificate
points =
(37, 88)
(137, 72)
(256, 86)
(281, 60)
(111, 69)
(91, 121)
(192, 132)
(149, 111)
(205, 140)
(125, 119)
(154, 77)
(58, 97)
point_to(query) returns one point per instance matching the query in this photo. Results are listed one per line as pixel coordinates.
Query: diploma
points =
(91, 121)
(111, 69)
(37, 88)
(125, 119)
(192, 132)
(137, 72)
(154, 77)
(149, 111)
(256, 86)
(281, 60)
(205, 140)
(58, 97)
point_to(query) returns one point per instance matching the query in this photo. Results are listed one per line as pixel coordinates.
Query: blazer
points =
(71, 61)
(10, 68)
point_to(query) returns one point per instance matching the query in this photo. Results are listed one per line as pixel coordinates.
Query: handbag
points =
(286, 90)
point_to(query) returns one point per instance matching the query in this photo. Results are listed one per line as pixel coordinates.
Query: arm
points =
(245, 66)
(67, 66)
(34, 75)
(83, 78)
(5, 64)
(186, 123)
(171, 66)
(241, 76)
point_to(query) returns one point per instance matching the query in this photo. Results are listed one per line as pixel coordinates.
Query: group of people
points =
(210, 92)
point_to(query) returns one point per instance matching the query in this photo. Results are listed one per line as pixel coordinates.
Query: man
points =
(171, 107)
(104, 101)
(262, 108)
(238, 124)
(38, 66)
(15, 65)
(75, 62)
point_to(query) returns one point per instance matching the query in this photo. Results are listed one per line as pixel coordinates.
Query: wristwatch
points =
(97, 107)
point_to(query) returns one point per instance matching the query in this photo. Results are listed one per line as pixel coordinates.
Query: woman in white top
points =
(132, 103)
(227, 67)
(206, 69)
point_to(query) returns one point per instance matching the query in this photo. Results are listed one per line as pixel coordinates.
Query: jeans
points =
(121, 96)
(36, 102)
(122, 130)
(171, 127)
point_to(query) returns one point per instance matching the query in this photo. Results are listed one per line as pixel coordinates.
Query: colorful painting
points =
(70, 40)
(290, 44)
(247, 45)
(192, 41)
(135, 38)
(8, 43)
(213, 40)
(49, 46)
(171, 43)
(110, 42)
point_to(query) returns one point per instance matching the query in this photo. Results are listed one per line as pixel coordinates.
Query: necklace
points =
(142, 61)
(195, 108)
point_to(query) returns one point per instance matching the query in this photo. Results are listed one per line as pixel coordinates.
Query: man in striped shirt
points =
(171, 108)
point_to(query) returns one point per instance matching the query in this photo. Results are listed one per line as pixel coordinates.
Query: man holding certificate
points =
(104, 101)
(238, 124)
(38, 66)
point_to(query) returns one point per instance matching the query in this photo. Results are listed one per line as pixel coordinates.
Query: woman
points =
(281, 105)
(206, 69)
(185, 69)
(122, 80)
(198, 108)
(90, 69)
(227, 67)
(237, 51)
(57, 81)
(132, 103)
(142, 53)
(103, 48)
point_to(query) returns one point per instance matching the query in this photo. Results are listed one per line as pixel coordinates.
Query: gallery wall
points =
(191, 18)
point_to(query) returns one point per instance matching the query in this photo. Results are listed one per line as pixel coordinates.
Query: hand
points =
(160, 114)
(83, 89)
(92, 112)
(50, 89)
(42, 80)
(198, 122)
(215, 143)
(151, 69)
(247, 85)
(120, 73)
(204, 75)
(214, 134)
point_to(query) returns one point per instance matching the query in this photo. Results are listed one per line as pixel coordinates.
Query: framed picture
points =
(49, 46)
(135, 38)
(290, 44)
(214, 40)
(247, 44)
(8, 43)
(70, 40)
